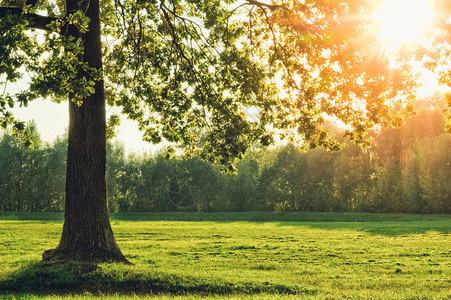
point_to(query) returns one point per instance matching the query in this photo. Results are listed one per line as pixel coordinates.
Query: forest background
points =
(404, 170)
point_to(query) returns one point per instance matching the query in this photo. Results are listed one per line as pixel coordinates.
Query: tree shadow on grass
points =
(75, 278)
(389, 224)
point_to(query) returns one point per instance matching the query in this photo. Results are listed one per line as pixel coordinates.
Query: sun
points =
(404, 21)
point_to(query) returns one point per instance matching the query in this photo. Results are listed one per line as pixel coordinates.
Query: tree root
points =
(56, 256)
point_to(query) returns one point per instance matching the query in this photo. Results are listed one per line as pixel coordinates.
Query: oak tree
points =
(239, 71)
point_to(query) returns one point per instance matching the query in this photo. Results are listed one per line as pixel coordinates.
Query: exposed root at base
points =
(55, 256)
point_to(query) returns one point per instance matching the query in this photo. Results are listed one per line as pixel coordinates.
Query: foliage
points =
(267, 259)
(406, 170)
(245, 71)
(18, 51)
(30, 178)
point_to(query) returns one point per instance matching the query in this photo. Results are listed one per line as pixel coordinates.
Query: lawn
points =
(287, 256)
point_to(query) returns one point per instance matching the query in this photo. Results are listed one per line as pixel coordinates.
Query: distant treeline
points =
(406, 170)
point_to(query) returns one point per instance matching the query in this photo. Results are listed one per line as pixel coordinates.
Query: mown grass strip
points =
(241, 216)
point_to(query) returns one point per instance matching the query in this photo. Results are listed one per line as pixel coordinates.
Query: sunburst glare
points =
(404, 21)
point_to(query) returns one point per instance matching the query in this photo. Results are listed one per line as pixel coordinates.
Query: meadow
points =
(238, 255)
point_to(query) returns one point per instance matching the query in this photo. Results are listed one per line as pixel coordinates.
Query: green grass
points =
(240, 216)
(291, 255)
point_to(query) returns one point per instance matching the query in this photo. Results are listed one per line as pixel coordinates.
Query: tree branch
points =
(36, 21)
(32, 3)
(262, 4)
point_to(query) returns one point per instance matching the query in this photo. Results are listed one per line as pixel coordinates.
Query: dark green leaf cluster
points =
(16, 50)
(58, 74)
(32, 179)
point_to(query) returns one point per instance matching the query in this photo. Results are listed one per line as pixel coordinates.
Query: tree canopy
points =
(245, 71)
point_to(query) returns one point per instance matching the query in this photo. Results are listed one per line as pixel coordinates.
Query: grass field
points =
(248, 255)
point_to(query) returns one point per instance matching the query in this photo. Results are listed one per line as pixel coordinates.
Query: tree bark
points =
(37, 21)
(87, 233)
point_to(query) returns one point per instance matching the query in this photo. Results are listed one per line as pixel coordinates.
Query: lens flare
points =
(404, 21)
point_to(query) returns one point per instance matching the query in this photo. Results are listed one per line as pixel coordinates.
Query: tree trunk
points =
(87, 233)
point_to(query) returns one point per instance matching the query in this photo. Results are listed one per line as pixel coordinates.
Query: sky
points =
(52, 120)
